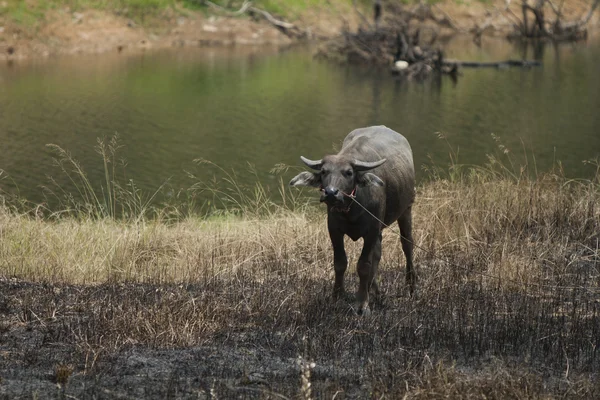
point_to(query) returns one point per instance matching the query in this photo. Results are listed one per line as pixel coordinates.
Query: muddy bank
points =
(99, 32)
(64, 31)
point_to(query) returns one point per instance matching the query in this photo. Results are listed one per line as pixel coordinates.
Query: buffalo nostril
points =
(329, 191)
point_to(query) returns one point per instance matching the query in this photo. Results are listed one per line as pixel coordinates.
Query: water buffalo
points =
(375, 166)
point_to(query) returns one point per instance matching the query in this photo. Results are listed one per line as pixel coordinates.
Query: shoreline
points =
(98, 32)
(65, 32)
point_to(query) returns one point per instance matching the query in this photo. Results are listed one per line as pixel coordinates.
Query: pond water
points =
(245, 106)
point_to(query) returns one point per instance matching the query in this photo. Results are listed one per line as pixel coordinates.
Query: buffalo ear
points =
(368, 179)
(306, 179)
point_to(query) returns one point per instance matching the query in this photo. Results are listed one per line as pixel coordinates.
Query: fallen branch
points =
(271, 19)
(446, 19)
(287, 28)
(509, 14)
(492, 64)
(392, 46)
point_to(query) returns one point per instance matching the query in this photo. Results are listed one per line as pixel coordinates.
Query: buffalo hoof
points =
(342, 295)
(411, 280)
(379, 300)
(411, 291)
(364, 310)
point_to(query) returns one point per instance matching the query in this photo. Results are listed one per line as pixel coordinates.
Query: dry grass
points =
(507, 302)
(511, 232)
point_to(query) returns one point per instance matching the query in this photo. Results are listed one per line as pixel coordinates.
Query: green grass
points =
(21, 13)
(32, 13)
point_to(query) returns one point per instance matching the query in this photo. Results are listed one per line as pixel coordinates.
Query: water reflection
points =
(238, 106)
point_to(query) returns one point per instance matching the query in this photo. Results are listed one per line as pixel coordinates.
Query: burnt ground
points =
(241, 336)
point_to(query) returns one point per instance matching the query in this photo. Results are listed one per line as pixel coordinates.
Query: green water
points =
(266, 106)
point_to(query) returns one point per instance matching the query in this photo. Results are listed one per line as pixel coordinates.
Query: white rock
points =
(401, 64)
(209, 28)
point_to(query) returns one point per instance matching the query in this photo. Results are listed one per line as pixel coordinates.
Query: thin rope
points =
(540, 285)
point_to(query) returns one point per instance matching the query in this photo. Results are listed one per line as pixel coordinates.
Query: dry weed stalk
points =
(305, 384)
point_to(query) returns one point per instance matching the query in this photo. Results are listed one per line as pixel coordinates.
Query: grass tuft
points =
(116, 198)
(62, 373)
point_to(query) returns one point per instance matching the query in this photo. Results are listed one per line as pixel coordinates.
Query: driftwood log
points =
(492, 64)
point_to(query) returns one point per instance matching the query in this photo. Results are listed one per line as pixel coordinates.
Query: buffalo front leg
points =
(405, 224)
(375, 258)
(340, 263)
(366, 268)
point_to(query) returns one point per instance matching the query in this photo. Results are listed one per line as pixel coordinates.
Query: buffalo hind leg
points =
(340, 263)
(405, 224)
(366, 270)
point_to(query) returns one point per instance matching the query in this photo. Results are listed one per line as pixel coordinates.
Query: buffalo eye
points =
(349, 173)
(324, 172)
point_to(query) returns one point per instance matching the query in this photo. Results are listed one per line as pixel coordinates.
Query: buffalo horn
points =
(365, 166)
(312, 164)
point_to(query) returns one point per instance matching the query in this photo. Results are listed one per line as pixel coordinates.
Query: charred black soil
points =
(241, 336)
(239, 306)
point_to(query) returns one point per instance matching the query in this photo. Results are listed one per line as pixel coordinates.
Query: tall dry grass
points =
(513, 229)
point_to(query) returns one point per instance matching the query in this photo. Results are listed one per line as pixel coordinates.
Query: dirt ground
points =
(100, 32)
(67, 32)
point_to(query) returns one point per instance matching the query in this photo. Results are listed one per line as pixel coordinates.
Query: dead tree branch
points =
(585, 20)
(361, 15)
(543, 28)
(287, 28)
(278, 23)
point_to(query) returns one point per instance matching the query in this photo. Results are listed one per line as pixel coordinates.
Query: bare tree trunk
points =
(538, 10)
(556, 29)
(538, 28)
(525, 27)
(377, 12)
(589, 15)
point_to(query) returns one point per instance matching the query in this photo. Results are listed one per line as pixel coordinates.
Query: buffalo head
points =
(337, 176)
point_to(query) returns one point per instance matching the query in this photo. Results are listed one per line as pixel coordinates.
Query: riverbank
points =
(224, 306)
(35, 30)
(92, 28)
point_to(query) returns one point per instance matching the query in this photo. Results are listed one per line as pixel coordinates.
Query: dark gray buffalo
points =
(375, 166)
